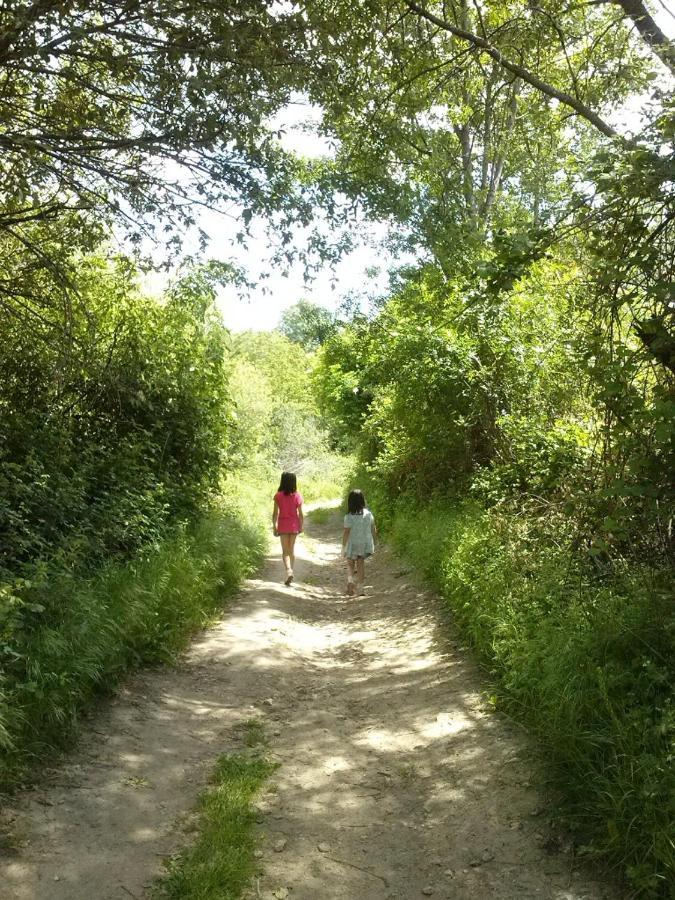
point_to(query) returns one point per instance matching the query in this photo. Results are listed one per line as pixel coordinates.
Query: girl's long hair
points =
(356, 502)
(288, 483)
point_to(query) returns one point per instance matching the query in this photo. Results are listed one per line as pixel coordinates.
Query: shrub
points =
(70, 638)
(585, 660)
(110, 439)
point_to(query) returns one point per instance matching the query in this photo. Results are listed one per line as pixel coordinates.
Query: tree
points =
(119, 114)
(443, 134)
(276, 420)
(307, 324)
(133, 109)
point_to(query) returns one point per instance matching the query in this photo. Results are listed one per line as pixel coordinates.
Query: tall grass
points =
(84, 634)
(585, 660)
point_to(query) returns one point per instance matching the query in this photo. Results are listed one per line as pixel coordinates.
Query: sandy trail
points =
(394, 781)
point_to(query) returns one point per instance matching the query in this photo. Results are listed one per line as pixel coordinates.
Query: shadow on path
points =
(394, 780)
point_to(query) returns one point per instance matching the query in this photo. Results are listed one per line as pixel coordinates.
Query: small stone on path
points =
(323, 847)
(279, 845)
(427, 891)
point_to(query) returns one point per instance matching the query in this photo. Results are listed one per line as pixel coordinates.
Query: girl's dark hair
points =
(288, 483)
(356, 502)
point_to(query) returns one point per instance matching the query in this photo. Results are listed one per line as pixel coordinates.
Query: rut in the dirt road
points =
(394, 781)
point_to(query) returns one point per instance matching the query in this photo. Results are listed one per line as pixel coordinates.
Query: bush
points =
(68, 639)
(586, 661)
(109, 439)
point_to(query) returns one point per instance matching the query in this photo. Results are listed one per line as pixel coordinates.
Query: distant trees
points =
(307, 324)
(277, 423)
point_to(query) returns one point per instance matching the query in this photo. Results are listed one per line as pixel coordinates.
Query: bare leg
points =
(291, 550)
(351, 565)
(360, 574)
(287, 554)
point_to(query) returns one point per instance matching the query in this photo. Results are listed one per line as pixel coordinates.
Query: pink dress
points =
(289, 521)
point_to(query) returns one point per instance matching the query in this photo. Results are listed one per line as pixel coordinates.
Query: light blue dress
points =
(360, 540)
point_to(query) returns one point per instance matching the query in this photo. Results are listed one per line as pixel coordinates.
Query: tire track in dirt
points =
(394, 782)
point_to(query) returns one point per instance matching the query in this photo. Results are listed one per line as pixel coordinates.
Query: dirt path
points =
(394, 781)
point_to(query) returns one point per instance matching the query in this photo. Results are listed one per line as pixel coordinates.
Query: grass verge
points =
(585, 660)
(78, 637)
(221, 862)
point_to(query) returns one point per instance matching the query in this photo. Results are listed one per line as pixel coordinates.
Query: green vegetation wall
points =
(512, 398)
(115, 423)
(114, 420)
(519, 450)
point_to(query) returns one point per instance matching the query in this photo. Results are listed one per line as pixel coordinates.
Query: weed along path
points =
(393, 780)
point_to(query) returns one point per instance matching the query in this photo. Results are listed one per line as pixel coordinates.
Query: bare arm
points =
(275, 517)
(301, 517)
(345, 538)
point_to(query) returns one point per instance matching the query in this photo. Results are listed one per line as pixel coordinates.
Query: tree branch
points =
(650, 32)
(25, 18)
(518, 70)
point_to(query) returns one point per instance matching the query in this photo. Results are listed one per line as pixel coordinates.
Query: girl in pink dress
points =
(287, 520)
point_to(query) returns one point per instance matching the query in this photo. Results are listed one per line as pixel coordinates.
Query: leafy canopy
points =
(307, 324)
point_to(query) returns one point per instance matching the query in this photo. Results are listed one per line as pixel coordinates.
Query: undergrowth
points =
(75, 637)
(584, 657)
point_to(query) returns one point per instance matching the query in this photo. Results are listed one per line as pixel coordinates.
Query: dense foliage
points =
(523, 457)
(117, 431)
(512, 399)
(111, 440)
(515, 389)
(583, 658)
(307, 324)
(546, 408)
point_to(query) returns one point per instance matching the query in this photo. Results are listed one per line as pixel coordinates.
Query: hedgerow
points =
(585, 659)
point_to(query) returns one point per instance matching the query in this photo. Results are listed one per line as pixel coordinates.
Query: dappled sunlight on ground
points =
(394, 781)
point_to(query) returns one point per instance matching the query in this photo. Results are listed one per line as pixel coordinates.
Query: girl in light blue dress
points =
(358, 540)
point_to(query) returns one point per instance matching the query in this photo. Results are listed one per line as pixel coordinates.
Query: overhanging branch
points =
(518, 70)
(650, 32)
